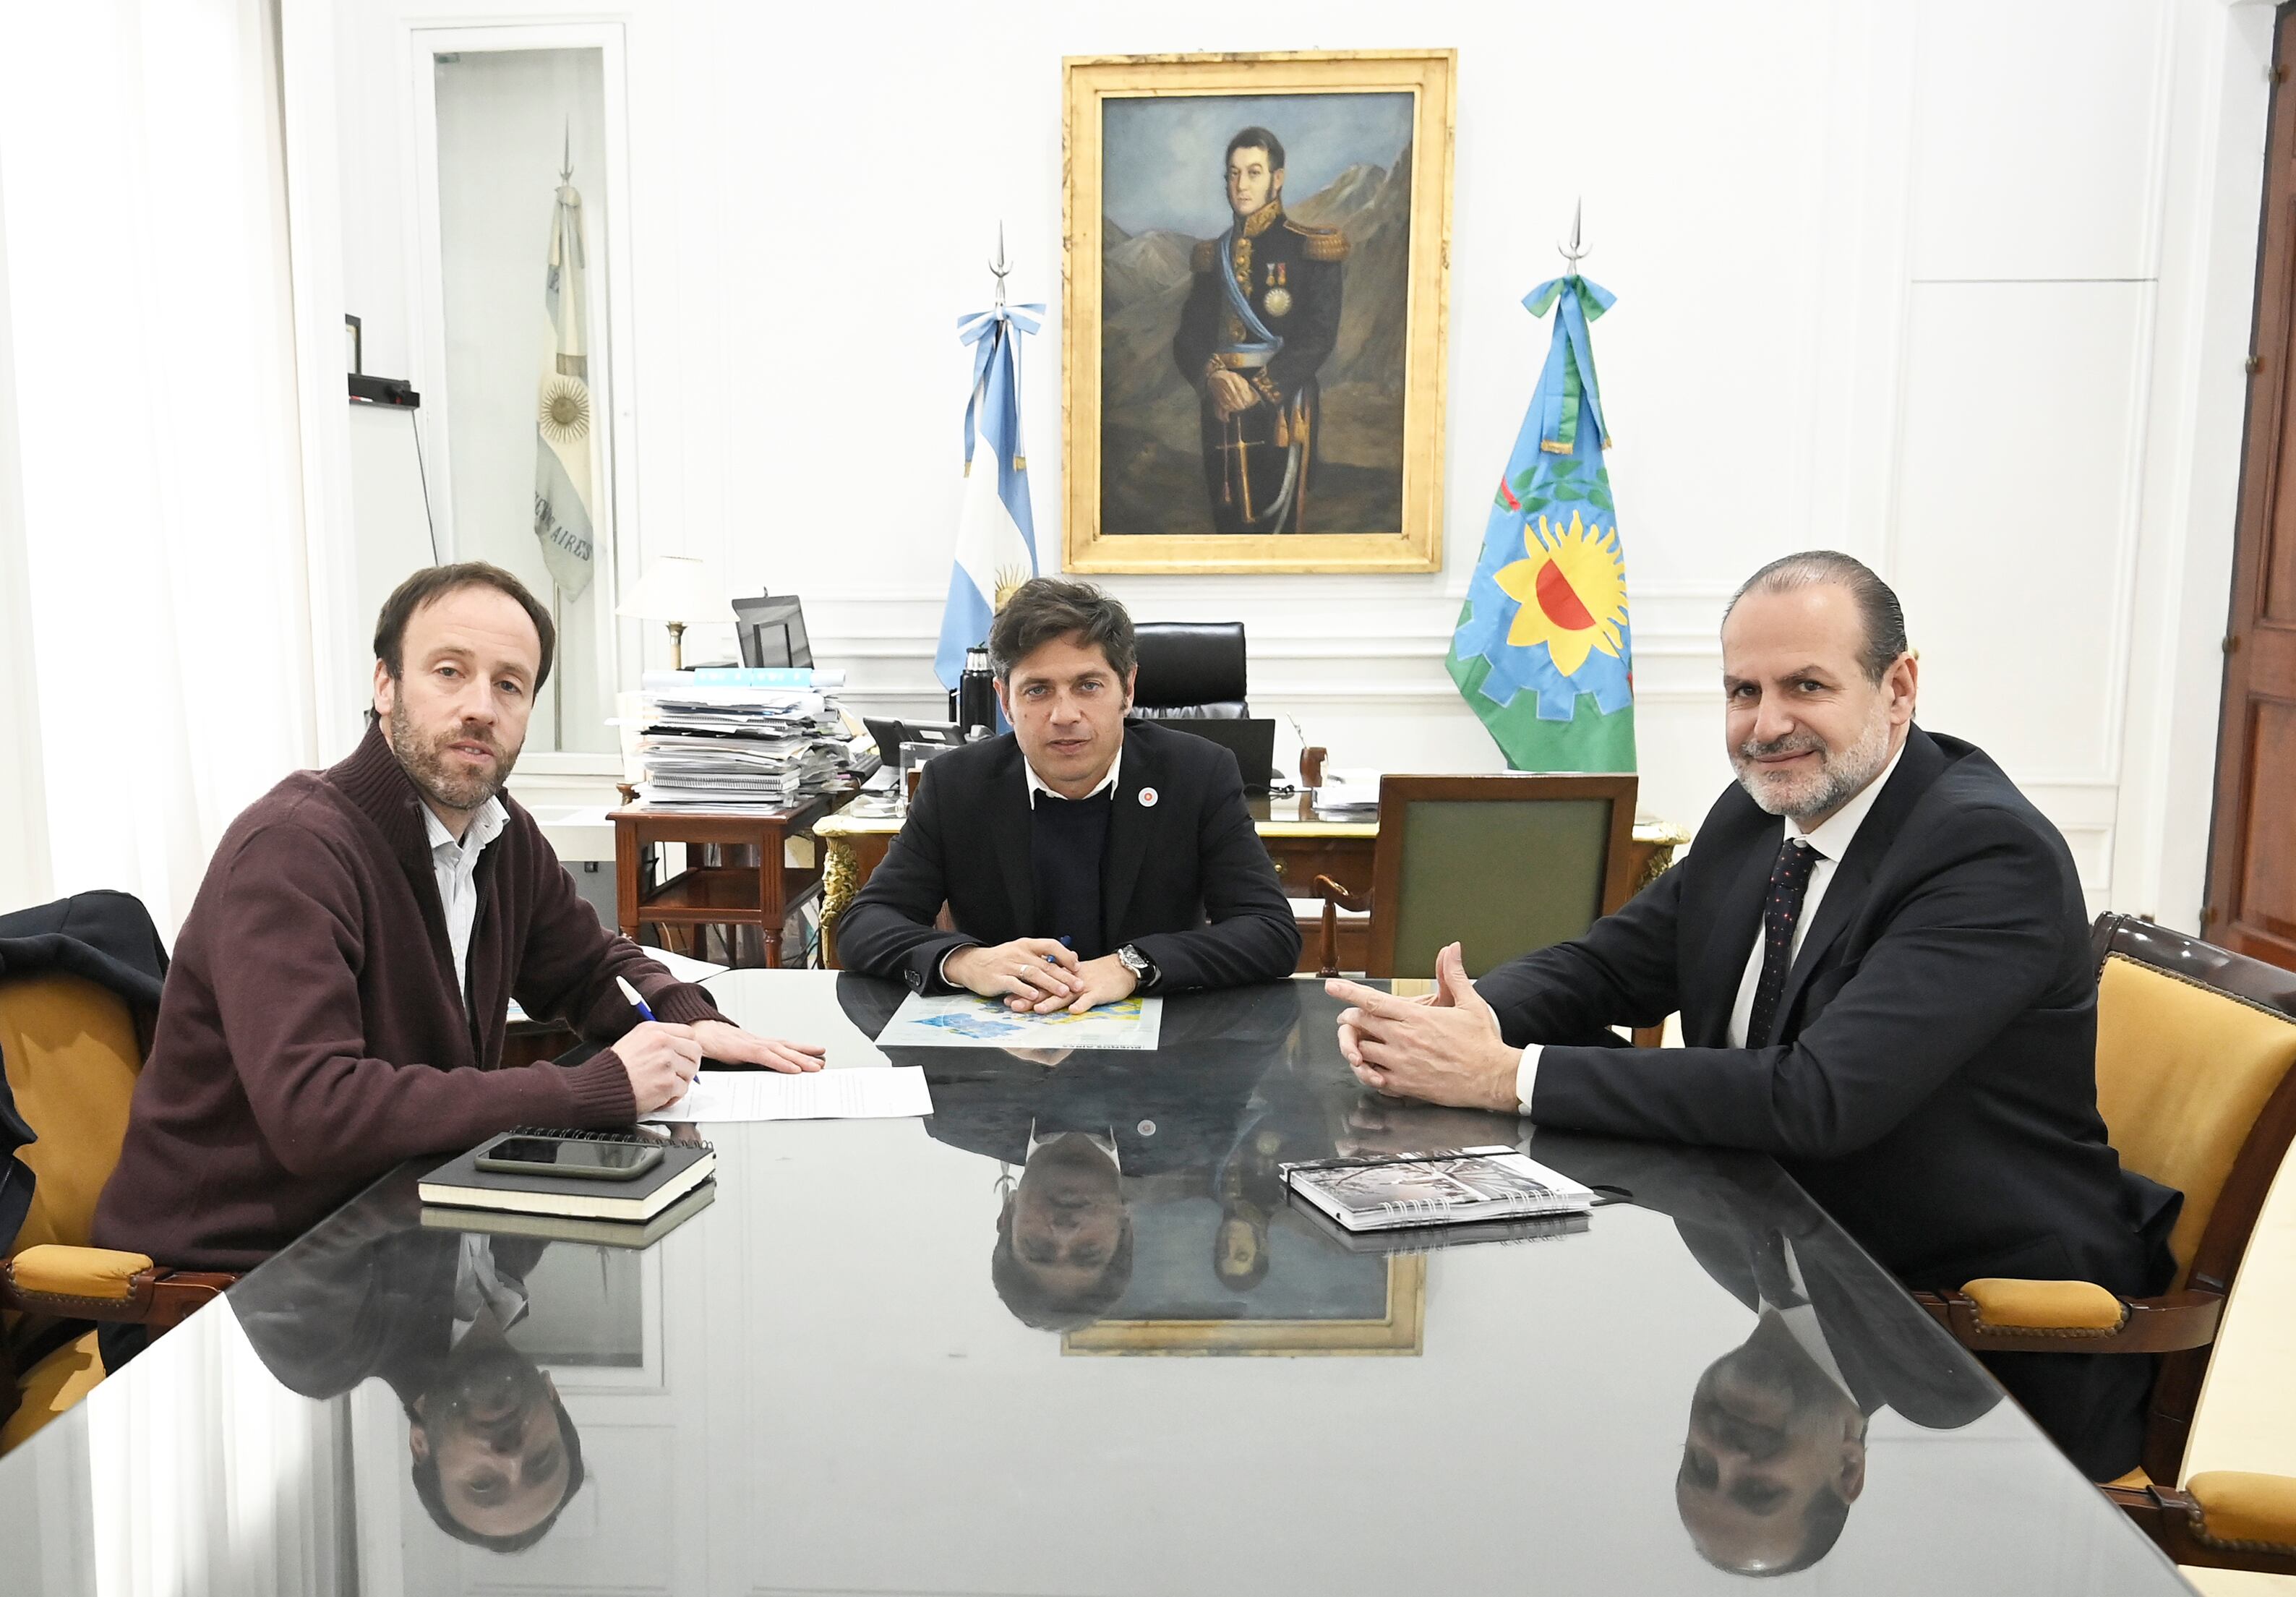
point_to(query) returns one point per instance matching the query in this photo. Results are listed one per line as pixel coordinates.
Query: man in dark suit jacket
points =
(1891, 990)
(1083, 856)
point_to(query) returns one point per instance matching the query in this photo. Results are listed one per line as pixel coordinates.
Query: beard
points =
(446, 781)
(1839, 776)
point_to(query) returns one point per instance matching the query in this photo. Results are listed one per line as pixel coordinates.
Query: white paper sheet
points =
(962, 1021)
(718, 1096)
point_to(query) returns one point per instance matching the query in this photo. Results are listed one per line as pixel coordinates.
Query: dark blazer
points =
(1933, 1083)
(1190, 858)
(1726, 1209)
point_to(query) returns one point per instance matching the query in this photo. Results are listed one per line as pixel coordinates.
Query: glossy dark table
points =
(823, 1382)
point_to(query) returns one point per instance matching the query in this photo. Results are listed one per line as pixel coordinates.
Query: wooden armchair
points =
(1498, 863)
(71, 1055)
(2197, 1080)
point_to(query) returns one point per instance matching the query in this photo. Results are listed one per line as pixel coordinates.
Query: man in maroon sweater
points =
(338, 997)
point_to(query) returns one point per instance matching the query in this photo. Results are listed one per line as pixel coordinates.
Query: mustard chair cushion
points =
(2239, 1507)
(71, 1057)
(2182, 1071)
(51, 1387)
(2076, 1306)
(103, 1273)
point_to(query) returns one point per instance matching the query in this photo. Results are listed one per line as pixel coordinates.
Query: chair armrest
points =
(2002, 1315)
(2222, 1519)
(1335, 898)
(103, 1283)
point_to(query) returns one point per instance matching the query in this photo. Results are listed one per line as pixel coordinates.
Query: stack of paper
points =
(1348, 795)
(705, 744)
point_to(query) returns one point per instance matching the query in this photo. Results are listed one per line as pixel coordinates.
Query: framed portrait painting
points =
(1255, 258)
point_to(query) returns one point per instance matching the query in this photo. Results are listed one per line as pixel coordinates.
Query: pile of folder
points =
(703, 744)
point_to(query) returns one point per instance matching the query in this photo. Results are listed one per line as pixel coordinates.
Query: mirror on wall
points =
(524, 215)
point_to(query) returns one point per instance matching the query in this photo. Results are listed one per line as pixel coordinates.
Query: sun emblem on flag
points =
(1009, 579)
(1571, 591)
(565, 417)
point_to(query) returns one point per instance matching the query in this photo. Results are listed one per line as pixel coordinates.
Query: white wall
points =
(1962, 289)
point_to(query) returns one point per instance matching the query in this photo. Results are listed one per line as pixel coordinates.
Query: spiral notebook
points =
(683, 1166)
(1443, 1186)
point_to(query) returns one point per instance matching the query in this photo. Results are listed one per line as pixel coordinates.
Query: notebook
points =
(556, 1228)
(460, 1183)
(1442, 1186)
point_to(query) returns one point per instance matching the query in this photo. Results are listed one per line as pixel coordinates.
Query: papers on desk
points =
(1347, 795)
(868, 1093)
(963, 1020)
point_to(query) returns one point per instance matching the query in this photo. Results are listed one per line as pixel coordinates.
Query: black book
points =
(460, 1183)
(554, 1228)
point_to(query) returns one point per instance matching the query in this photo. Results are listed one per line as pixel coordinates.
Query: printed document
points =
(965, 1020)
(866, 1093)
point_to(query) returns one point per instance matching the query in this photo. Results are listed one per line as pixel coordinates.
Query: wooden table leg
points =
(626, 878)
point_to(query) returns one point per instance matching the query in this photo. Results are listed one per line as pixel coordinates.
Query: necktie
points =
(1781, 908)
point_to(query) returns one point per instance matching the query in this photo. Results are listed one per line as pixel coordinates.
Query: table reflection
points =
(494, 1456)
(808, 1385)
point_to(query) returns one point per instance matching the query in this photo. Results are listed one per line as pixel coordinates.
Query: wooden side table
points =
(761, 895)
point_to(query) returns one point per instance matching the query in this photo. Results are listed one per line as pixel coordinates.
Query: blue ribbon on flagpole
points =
(988, 330)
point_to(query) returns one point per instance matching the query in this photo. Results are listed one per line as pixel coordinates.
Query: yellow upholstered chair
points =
(1501, 864)
(71, 1050)
(2197, 1080)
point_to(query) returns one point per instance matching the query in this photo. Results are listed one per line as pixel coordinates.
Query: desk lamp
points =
(679, 589)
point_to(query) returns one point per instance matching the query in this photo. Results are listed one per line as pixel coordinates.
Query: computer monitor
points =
(1252, 740)
(772, 630)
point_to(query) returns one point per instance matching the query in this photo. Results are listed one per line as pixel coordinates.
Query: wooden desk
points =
(1302, 846)
(761, 895)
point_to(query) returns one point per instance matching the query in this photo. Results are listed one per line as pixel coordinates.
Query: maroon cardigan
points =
(312, 1034)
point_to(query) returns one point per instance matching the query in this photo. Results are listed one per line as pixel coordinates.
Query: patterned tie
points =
(1789, 880)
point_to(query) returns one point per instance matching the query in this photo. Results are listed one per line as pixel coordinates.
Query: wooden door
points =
(2251, 897)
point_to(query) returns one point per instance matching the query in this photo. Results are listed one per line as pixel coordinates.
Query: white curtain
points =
(149, 342)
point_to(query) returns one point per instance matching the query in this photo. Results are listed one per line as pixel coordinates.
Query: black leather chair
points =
(1191, 670)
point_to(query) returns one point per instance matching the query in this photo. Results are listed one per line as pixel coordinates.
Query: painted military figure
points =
(1262, 314)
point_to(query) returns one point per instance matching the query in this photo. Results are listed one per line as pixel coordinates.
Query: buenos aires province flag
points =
(995, 534)
(1544, 653)
(563, 480)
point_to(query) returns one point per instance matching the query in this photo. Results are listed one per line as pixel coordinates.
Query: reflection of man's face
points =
(1068, 1215)
(1251, 184)
(491, 1425)
(1775, 1453)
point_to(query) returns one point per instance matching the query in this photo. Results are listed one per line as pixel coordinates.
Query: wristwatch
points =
(1143, 968)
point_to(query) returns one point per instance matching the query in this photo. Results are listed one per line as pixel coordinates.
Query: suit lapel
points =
(1128, 829)
(1917, 767)
(1731, 933)
(1009, 819)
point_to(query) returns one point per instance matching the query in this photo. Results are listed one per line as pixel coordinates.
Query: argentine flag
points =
(996, 534)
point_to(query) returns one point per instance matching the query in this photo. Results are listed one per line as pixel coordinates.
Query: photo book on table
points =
(1442, 1186)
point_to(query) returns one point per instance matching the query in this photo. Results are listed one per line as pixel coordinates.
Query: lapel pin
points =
(1147, 798)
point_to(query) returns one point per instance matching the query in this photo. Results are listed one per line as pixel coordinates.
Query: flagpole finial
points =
(1572, 253)
(997, 268)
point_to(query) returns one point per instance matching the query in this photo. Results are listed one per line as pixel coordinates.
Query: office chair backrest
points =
(2197, 1080)
(72, 1059)
(1191, 669)
(1500, 864)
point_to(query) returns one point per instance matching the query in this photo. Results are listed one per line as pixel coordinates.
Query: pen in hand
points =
(645, 1009)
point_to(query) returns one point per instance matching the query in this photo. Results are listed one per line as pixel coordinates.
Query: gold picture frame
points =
(1399, 1331)
(1133, 427)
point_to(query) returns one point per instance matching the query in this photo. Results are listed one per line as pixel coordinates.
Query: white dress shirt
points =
(1107, 784)
(1832, 841)
(1038, 785)
(455, 865)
